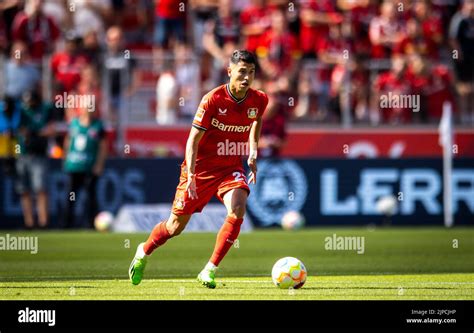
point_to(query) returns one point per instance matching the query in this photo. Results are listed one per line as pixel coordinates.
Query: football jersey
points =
(227, 122)
(84, 144)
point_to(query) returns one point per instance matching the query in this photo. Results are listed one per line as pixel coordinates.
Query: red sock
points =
(158, 237)
(225, 238)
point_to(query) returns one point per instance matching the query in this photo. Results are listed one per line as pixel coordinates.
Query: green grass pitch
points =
(397, 264)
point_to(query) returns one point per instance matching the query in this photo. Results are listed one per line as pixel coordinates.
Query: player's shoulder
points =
(259, 94)
(215, 93)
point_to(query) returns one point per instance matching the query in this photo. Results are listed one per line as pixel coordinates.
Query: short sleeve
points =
(203, 116)
(264, 103)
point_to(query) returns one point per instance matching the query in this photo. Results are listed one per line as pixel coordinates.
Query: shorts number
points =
(238, 176)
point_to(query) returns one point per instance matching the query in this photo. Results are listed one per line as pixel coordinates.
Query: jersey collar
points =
(235, 99)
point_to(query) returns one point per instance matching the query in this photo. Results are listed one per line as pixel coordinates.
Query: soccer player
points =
(229, 115)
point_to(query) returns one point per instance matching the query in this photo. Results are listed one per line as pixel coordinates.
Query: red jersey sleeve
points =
(203, 116)
(264, 103)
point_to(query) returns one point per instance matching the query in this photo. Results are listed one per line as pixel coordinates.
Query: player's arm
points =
(191, 153)
(253, 145)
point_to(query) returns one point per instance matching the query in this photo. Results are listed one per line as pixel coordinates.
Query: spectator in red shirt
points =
(315, 17)
(37, 30)
(255, 21)
(389, 88)
(385, 31)
(66, 66)
(274, 133)
(278, 52)
(435, 85)
(416, 41)
(170, 21)
(135, 17)
(431, 21)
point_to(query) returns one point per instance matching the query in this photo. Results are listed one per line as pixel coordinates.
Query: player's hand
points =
(252, 162)
(191, 187)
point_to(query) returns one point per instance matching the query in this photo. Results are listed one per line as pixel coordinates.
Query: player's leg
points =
(183, 208)
(39, 171)
(159, 235)
(92, 207)
(235, 201)
(23, 186)
(164, 231)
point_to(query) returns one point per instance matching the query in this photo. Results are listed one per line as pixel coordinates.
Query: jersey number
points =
(238, 176)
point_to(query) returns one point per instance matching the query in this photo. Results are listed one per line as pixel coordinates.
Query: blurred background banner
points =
(143, 217)
(326, 191)
(304, 142)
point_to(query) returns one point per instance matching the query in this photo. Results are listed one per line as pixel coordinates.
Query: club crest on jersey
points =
(252, 113)
(199, 114)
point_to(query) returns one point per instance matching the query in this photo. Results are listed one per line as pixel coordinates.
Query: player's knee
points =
(174, 228)
(237, 211)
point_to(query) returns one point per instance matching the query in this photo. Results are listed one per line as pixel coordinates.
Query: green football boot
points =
(206, 278)
(137, 268)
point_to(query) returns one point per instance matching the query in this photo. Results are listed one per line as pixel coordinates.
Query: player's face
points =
(241, 75)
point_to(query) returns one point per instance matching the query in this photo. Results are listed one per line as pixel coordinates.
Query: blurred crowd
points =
(321, 61)
(320, 58)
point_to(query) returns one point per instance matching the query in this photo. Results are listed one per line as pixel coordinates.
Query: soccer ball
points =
(292, 220)
(289, 273)
(103, 221)
(387, 205)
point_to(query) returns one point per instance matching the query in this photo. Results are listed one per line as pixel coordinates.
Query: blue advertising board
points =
(326, 192)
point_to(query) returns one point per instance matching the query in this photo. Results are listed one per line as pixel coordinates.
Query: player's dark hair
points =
(244, 56)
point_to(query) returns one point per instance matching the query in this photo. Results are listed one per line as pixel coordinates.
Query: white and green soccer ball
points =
(103, 221)
(292, 220)
(289, 273)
